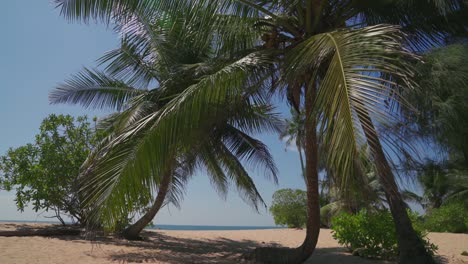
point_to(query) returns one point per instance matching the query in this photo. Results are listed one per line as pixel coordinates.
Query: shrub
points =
(370, 234)
(45, 173)
(452, 218)
(289, 208)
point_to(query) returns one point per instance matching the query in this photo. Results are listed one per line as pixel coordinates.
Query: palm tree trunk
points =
(302, 253)
(133, 232)
(312, 178)
(411, 247)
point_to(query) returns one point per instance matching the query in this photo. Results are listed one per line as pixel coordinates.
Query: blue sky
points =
(40, 49)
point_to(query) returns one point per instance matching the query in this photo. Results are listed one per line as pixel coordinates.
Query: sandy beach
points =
(190, 247)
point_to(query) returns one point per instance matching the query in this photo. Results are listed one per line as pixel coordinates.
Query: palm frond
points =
(239, 176)
(230, 25)
(218, 178)
(92, 9)
(428, 23)
(94, 89)
(412, 197)
(134, 159)
(129, 64)
(250, 150)
(354, 84)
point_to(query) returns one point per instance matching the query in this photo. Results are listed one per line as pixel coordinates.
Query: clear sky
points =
(39, 49)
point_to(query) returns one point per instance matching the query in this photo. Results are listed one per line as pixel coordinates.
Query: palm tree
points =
(220, 153)
(332, 201)
(441, 184)
(361, 192)
(335, 60)
(223, 149)
(435, 184)
(294, 131)
(372, 198)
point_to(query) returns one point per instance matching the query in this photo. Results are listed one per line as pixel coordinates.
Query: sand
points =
(191, 247)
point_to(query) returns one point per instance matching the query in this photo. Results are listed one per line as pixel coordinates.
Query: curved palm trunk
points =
(312, 179)
(303, 252)
(411, 247)
(133, 232)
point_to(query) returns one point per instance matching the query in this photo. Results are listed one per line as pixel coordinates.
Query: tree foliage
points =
(442, 99)
(159, 130)
(343, 62)
(289, 207)
(293, 131)
(372, 234)
(442, 184)
(442, 121)
(451, 217)
(45, 173)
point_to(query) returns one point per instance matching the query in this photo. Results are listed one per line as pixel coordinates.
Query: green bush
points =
(452, 218)
(370, 234)
(289, 208)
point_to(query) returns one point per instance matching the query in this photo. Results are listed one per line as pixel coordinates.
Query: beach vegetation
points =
(371, 234)
(344, 63)
(289, 208)
(44, 174)
(293, 133)
(153, 89)
(441, 105)
(442, 121)
(451, 217)
(442, 182)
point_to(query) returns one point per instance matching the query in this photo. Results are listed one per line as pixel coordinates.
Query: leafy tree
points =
(289, 207)
(443, 122)
(451, 217)
(441, 185)
(339, 61)
(45, 173)
(442, 103)
(221, 144)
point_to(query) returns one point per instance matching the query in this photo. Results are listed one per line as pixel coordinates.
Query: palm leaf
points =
(129, 64)
(94, 89)
(349, 90)
(135, 158)
(428, 23)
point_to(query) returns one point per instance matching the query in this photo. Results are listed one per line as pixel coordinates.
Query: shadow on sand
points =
(159, 247)
(10, 230)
